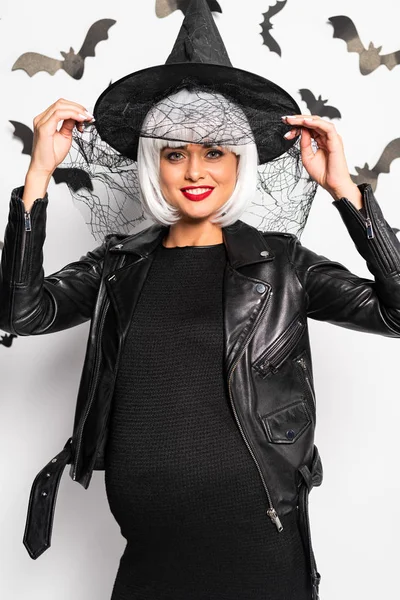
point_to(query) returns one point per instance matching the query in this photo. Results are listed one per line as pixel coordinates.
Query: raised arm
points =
(336, 295)
(29, 302)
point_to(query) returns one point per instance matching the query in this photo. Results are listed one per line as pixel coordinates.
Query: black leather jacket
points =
(271, 285)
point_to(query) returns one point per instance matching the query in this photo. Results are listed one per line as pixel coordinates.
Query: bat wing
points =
(308, 97)
(165, 8)
(214, 6)
(390, 60)
(25, 134)
(330, 111)
(97, 32)
(344, 29)
(75, 178)
(32, 63)
(274, 10)
(270, 42)
(390, 153)
(1, 245)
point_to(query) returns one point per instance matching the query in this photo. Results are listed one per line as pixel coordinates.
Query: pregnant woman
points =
(197, 394)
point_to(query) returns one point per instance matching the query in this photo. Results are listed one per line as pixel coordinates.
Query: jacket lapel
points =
(243, 297)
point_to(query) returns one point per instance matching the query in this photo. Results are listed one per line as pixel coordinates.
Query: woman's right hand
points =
(50, 147)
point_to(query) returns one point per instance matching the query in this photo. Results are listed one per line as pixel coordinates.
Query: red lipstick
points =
(196, 196)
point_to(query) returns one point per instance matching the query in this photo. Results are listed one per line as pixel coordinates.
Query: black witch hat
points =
(229, 106)
(198, 60)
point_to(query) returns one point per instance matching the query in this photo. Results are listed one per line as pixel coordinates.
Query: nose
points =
(195, 168)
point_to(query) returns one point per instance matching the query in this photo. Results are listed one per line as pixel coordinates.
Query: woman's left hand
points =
(327, 166)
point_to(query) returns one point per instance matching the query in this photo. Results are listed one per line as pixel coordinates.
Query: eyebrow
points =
(206, 145)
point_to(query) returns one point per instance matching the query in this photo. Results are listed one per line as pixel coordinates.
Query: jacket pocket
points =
(286, 425)
(278, 351)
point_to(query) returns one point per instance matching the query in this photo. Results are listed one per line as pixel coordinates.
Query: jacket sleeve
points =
(31, 303)
(336, 295)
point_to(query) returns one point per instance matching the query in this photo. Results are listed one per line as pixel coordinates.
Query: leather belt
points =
(42, 501)
(311, 479)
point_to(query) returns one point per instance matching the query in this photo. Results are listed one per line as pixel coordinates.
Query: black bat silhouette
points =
(317, 106)
(370, 59)
(1, 245)
(266, 26)
(76, 178)
(73, 64)
(7, 340)
(367, 175)
(166, 7)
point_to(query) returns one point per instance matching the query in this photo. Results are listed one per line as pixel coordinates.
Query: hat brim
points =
(122, 107)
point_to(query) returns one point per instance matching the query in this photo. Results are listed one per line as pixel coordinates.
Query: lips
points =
(197, 193)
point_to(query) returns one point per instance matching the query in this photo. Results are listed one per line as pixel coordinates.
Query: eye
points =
(216, 153)
(174, 156)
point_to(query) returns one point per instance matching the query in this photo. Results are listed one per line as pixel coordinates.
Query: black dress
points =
(180, 480)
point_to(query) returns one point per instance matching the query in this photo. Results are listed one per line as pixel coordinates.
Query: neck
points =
(188, 234)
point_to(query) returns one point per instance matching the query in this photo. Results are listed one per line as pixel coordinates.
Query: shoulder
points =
(279, 242)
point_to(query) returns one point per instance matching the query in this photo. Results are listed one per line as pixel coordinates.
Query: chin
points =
(198, 213)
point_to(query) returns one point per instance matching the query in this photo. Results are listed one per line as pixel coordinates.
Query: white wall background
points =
(354, 514)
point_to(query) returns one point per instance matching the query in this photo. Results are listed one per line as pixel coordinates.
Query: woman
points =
(196, 394)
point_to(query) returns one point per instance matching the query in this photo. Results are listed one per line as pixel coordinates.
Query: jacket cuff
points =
(22, 227)
(374, 239)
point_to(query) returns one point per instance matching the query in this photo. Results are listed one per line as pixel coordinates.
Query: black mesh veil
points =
(105, 184)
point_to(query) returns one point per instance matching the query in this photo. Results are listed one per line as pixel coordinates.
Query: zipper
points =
(306, 377)
(27, 228)
(92, 386)
(106, 420)
(271, 512)
(314, 571)
(272, 359)
(386, 261)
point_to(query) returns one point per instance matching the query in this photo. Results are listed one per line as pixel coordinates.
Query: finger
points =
(292, 133)
(70, 117)
(60, 103)
(314, 122)
(306, 145)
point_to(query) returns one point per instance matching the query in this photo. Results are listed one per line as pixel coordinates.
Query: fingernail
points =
(288, 134)
(308, 119)
(88, 114)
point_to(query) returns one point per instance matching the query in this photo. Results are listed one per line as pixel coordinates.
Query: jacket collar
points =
(244, 243)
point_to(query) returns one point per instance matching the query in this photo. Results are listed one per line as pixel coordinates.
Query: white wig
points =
(149, 149)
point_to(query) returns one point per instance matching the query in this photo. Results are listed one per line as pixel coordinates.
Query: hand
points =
(50, 147)
(327, 166)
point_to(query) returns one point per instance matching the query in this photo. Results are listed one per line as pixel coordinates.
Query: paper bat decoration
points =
(7, 340)
(317, 106)
(266, 26)
(370, 58)
(76, 178)
(1, 245)
(166, 7)
(73, 64)
(367, 175)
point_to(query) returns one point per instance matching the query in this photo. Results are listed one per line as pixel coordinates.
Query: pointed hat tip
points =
(199, 40)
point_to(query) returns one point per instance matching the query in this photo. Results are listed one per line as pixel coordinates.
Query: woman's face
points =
(197, 179)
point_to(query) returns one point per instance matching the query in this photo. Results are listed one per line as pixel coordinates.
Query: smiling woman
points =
(197, 394)
(165, 166)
